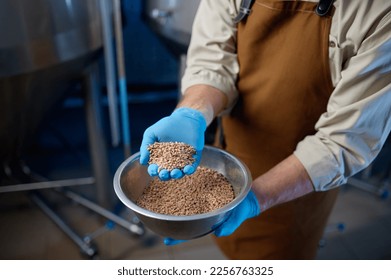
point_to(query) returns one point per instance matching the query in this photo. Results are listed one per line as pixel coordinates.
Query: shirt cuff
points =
(320, 164)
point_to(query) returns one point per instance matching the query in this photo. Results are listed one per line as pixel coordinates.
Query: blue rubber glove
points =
(247, 209)
(183, 125)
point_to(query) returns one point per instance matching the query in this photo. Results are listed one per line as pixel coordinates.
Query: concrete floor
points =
(27, 233)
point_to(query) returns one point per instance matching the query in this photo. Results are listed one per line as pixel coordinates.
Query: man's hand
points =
(247, 209)
(183, 125)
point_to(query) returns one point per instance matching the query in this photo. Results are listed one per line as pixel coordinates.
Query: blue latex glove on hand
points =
(183, 125)
(247, 209)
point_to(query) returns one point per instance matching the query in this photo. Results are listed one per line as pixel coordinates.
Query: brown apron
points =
(284, 84)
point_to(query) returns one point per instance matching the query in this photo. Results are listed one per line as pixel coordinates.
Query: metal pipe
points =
(122, 79)
(133, 228)
(110, 70)
(85, 247)
(96, 138)
(47, 184)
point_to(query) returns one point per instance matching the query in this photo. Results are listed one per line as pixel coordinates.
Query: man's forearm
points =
(206, 99)
(284, 182)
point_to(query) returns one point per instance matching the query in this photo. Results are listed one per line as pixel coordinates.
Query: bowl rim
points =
(139, 210)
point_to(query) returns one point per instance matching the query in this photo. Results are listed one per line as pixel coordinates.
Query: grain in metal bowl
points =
(131, 178)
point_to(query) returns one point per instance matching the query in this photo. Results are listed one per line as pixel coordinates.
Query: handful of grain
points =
(171, 155)
(204, 191)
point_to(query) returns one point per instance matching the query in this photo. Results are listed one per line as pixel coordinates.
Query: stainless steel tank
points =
(37, 34)
(172, 20)
(45, 45)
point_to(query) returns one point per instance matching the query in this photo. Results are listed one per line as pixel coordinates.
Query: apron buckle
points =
(244, 10)
(323, 7)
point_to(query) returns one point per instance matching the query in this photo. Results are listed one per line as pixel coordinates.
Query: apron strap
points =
(323, 7)
(244, 10)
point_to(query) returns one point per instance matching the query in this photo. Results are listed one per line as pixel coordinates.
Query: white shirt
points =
(357, 122)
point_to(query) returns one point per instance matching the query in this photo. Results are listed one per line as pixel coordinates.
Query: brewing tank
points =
(45, 46)
(172, 21)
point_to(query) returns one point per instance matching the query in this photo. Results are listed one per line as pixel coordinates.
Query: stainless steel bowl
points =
(131, 178)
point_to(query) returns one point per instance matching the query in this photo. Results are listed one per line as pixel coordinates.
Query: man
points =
(304, 92)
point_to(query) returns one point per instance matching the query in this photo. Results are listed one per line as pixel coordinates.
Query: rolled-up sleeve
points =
(358, 119)
(212, 58)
